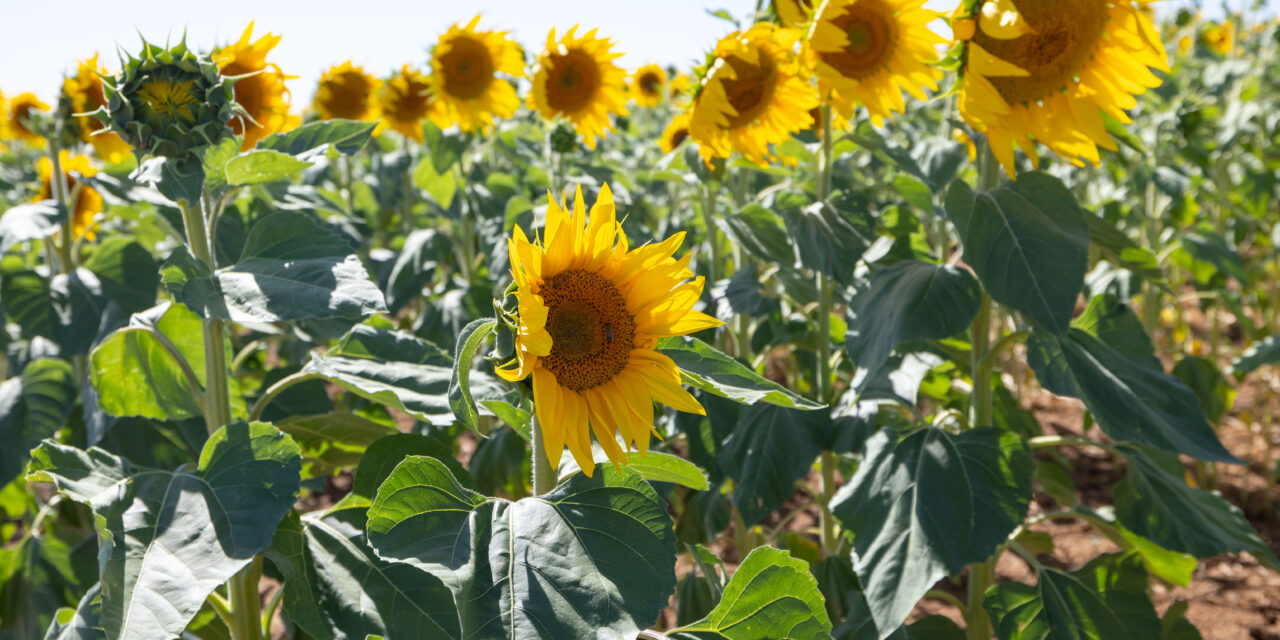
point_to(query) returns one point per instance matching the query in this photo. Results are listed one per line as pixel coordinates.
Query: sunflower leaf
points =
(594, 557)
(461, 402)
(705, 368)
(771, 595)
(314, 138)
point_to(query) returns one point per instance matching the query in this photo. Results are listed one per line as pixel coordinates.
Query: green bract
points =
(168, 102)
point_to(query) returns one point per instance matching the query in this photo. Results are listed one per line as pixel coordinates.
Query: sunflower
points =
(20, 109)
(1220, 37)
(263, 95)
(647, 85)
(794, 13)
(88, 201)
(1049, 71)
(577, 78)
(346, 91)
(465, 64)
(678, 87)
(591, 313)
(869, 51)
(83, 92)
(405, 99)
(754, 94)
(676, 132)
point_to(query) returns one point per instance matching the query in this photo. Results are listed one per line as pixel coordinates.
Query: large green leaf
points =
(384, 455)
(82, 623)
(1107, 598)
(36, 579)
(769, 449)
(27, 302)
(32, 407)
(593, 558)
(702, 366)
(262, 165)
(910, 300)
(927, 505)
(315, 138)
(135, 375)
(168, 539)
(1260, 353)
(654, 466)
(337, 588)
(1028, 241)
(128, 273)
(761, 232)
(330, 442)
(1129, 395)
(290, 269)
(1155, 502)
(771, 596)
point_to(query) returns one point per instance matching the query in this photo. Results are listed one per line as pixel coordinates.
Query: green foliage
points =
(770, 596)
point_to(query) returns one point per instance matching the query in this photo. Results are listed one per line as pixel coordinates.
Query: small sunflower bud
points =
(169, 102)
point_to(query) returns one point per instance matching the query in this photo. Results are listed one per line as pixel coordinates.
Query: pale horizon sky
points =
(381, 35)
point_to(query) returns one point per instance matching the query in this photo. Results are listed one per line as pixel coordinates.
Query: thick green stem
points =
(58, 182)
(822, 383)
(981, 577)
(544, 477)
(246, 621)
(980, 404)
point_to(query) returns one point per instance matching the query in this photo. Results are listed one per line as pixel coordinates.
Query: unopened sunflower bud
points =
(169, 102)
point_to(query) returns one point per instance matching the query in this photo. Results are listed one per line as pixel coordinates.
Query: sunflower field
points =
(877, 322)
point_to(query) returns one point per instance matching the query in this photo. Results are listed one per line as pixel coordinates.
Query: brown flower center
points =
(592, 333)
(572, 81)
(872, 33)
(1063, 37)
(346, 95)
(650, 84)
(749, 93)
(468, 68)
(678, 136)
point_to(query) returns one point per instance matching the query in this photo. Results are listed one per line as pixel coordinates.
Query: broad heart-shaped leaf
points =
(1153, 501)
(768, 450)
(1107, 598)
(1129, 395)
(290, 269)
(594, 558)
(32, 407)
(135, 375)
(925, 506)
(128, 273)
(312, 139)
(336, 588)
(31, 221)
(383, 456)
(910, 300)
(771, 596)
(1260, 353)
(262, 165)
(702, 366)
(168, 539)
(1028, 241)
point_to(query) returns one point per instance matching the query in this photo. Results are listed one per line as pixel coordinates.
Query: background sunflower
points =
(404, 100)
(88, 202)
(346, 91)
(467, 66)
(83, 93)
(20, 109)
(649, 85)
(263, 96)
(577, 78)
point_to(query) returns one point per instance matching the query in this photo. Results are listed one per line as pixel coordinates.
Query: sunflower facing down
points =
(20, 109)
(869, 51)
(88, 202)
(404, 100)
(83, 94)
(591, 312)
(263, 95)
(347, 92)
(465, 80)
(577, 78)
(755, 94)
(648, 84)
(675, 133)
(1047, 72)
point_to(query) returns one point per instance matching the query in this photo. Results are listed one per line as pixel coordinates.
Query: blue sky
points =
(380, 34)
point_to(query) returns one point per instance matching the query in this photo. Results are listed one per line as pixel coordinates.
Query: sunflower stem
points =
(58, 182)
(544, 477)
(246, 616)
(981, 574)
(822, 383)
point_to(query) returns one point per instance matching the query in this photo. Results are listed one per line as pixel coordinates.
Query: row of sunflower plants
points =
(272, 375)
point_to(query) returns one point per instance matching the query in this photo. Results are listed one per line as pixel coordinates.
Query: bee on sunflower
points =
(405, 100)
(648, 85)
(88, 202)
(577, 78)
(81, 94)
(262, 95)
(675, 133)
(755, 92)
(467, 66)
(346, 91)
(1051, 72)
(20, 111)
(869, 51)
(591, 310)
